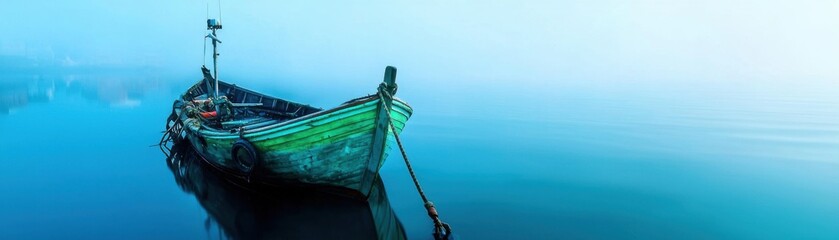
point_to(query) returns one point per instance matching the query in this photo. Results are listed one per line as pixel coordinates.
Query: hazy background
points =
(542, 47)
(538, 120)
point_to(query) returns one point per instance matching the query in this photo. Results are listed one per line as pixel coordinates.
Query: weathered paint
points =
(331, 147)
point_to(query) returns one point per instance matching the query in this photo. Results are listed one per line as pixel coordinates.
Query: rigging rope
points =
(442, 230)
(204, 61)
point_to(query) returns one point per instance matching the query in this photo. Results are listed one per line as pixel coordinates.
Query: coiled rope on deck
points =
(442, 230)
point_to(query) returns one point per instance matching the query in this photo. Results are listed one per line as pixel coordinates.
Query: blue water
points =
(500, 162)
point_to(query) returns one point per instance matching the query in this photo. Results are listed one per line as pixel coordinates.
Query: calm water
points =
(500, 163)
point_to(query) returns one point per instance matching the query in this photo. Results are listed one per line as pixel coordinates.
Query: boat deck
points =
(249, 109)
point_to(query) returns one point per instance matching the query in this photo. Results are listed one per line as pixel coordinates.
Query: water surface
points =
(499, 162)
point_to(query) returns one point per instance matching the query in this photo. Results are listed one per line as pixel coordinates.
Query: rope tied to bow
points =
(442, 230)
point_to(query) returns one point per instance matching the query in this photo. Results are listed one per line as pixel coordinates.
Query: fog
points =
(525, 46)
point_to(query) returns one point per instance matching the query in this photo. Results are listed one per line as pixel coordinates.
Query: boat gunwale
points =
(328, 111)
(210, 132)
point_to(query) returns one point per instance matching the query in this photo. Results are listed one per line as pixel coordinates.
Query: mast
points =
(215, 61)
(213, 24)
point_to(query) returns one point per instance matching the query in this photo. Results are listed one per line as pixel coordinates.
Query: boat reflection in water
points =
(252, 211)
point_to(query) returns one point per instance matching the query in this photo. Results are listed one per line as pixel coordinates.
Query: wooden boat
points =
(270, 139)
(253, 211)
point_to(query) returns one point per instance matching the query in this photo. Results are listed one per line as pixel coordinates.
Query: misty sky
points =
(548, 43)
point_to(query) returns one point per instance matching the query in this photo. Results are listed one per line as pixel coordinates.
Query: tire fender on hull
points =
(245, 157)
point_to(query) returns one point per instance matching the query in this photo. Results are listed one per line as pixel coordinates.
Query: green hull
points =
(344, 146)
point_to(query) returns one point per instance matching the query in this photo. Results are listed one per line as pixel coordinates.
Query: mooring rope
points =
(439, 225)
